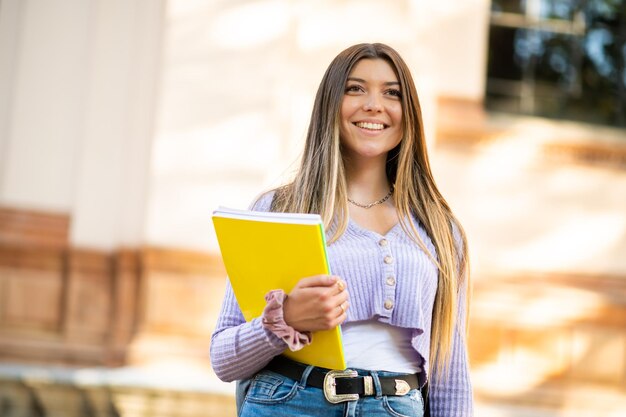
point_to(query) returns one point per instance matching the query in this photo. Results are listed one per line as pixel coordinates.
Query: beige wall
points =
(43, 60)
(137, 118)
(238, 83)
(78, 82)
(111, 190)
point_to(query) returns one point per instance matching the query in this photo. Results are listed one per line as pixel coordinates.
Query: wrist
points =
(273, 320)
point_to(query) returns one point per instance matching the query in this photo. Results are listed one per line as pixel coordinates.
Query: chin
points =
(369, 153)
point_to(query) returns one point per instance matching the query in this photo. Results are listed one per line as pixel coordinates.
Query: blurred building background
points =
(124, 123)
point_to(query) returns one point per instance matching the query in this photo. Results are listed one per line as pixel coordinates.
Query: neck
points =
(367, 180)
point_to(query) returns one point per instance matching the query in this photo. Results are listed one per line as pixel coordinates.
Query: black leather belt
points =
(345, 385)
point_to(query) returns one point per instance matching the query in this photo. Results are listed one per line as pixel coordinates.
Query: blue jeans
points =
(273, 395)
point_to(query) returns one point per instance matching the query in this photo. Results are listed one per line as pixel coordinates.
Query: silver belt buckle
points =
(330, 386)
(402, 387)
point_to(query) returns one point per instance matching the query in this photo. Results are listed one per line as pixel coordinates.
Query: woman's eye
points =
(395, 93)
(353, 89)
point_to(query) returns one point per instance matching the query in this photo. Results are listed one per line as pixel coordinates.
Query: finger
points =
(341, 297)
(318, 281)
(343, 315)
(340, 286)
(343, 308)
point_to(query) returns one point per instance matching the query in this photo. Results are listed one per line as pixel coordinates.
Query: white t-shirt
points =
(379, 347)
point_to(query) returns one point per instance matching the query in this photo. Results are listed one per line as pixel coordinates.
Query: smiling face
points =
(371, 110)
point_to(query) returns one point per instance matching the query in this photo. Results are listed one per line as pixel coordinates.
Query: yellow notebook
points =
(263, 251)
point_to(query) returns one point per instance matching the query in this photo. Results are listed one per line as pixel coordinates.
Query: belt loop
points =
(377, 387)
(305, 375)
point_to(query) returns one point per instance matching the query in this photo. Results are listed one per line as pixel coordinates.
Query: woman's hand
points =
(316, 303)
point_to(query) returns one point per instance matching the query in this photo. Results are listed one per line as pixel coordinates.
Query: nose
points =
(372, 103)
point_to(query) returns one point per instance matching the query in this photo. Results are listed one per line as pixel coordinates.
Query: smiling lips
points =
(370, 126)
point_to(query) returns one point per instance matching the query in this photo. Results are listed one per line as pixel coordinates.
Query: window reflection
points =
(559, 58)
(508, 6)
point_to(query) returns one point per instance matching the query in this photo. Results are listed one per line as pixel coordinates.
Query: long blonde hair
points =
(320, 186)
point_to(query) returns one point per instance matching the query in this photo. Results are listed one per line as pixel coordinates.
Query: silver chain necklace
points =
(375, 203)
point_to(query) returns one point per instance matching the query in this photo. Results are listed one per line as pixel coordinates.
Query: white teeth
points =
(371, 126)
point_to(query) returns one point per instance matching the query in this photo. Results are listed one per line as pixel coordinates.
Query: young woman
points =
(397, 251)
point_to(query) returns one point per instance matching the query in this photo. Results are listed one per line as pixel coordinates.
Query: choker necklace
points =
(375, 203)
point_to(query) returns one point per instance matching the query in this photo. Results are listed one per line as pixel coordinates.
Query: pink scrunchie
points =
(274, 321)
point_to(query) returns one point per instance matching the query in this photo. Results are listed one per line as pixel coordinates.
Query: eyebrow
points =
(360, 80)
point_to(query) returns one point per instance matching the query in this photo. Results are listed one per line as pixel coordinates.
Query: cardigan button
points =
(383, 242)
(388, 259)
(388, 304)
(391, 281)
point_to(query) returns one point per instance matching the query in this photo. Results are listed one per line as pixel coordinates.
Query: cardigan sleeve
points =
(450, 394)
(238, 348)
